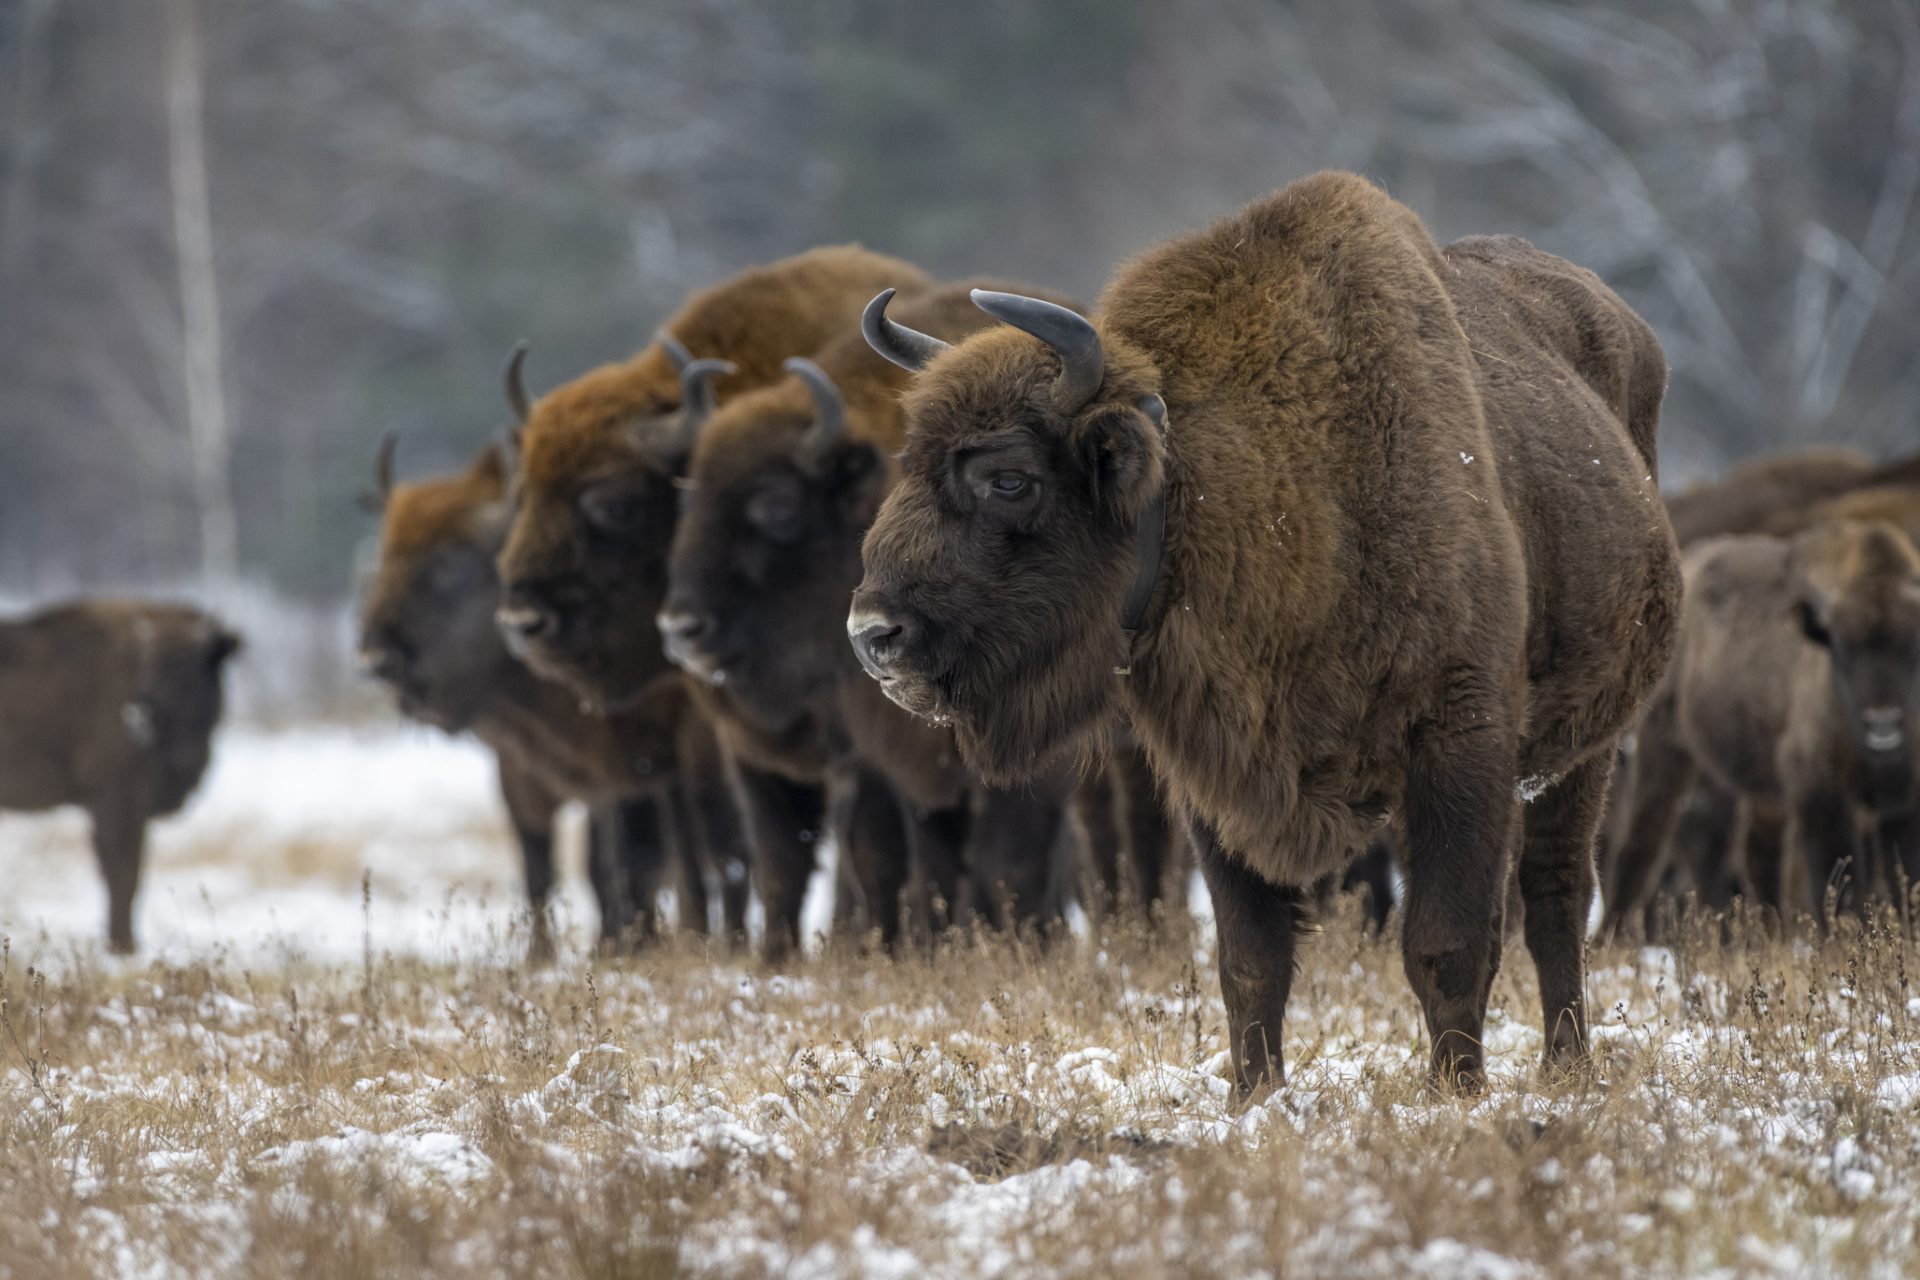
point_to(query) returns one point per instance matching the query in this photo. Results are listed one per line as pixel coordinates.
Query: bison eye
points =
(1007, 484)
(774, 511)
(613, 511)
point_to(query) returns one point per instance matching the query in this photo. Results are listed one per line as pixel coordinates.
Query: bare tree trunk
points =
(208, 432)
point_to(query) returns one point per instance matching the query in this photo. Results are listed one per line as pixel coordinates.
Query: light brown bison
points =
(584, 564)
(782, 485)
(652, 775)
(599, 456)
(1755, 492)
(1795, 689)
(1354, 529)
(110, 705)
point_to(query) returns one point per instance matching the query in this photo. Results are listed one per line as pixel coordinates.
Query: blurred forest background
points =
(240, 239)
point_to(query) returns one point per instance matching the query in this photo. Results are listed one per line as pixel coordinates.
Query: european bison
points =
(584, 564)
(782, 485)
(1747, 497)
(110, 705)
(1356, 531)
(599, 456)
(651, 775)
(1795, 688)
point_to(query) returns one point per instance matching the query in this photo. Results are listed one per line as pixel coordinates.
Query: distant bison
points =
(1757, 491)
(110, 705)
(652, 775)
(1796, 689)
(1356, 531)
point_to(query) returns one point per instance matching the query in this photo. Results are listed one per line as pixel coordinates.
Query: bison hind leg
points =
(1557, 876)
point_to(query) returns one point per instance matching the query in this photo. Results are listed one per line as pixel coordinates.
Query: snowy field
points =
(299, 1077)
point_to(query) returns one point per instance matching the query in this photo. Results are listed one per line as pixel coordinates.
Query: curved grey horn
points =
(829, 408)
(697, 403)
(383, 465)
(1070, 334)
(517, 398)
(676, 350)
(908, 348)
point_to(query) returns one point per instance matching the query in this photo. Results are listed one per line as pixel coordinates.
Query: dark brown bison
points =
(651, 775)
(110, 705)
(1795, 689)
(1354, 529)
(584, 565)
(782, 485)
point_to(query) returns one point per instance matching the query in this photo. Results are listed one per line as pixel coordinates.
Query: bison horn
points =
(383, 465)
(1070, 334)
(830, 410)
(697, 403)
(517, 398)
(908, 348)
(676, 350)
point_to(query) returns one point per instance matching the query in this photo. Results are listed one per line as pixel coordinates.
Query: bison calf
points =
(1357, 531)
(110, 705)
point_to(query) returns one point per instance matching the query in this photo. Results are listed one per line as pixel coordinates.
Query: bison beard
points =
(1404, 571)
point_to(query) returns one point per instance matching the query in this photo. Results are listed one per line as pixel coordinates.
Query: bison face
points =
(583, 568)
(764, 561)
(997, 569)
(1868, 621)
(181, 704)
(426, 627)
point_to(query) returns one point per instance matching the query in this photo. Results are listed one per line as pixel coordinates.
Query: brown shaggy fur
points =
(1415, 555)
(110, 705)
(652, 773)
(1747, 497)
(1796, 688)
(596, 470)
(764, 560)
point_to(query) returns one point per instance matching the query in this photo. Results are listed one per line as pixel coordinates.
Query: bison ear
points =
(860, 473)
(1813, 622)
(1122, 445)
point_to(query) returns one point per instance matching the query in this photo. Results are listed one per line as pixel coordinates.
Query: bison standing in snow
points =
(110, 705)
(583, 567)
(1357, 531)
(651, 774)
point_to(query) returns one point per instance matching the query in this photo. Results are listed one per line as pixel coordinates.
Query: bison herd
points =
(1310, 538)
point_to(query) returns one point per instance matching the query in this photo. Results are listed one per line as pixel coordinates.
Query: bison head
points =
(768, 547)
(183, 653)
(583, 567)
(1861, 604)
(426, 627)
(1001, 569)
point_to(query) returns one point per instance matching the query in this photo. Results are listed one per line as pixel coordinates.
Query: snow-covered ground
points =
(267, 858)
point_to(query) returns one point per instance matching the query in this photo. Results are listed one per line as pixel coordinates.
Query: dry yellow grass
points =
(995, 1109)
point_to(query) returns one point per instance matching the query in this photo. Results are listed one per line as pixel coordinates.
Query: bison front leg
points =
(783, 820)
(119, 843)
(1256, 922)
(1460, 817)
(530, 809)
(1556, 892)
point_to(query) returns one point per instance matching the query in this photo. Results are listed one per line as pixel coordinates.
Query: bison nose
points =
(523, 620)
(382, 660)
(877, 641)
(681, 630)
(1885, 728)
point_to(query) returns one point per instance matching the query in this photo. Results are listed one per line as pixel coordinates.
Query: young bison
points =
(652, 775)
(110, 705)
(1795, 688)
(782, 486)
(1357, 532)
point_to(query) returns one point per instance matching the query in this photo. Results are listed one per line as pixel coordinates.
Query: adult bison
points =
(1796, 689)
(583, 567)
(1356, 531)
(782, 485)
(650, 775)
(110, 705)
